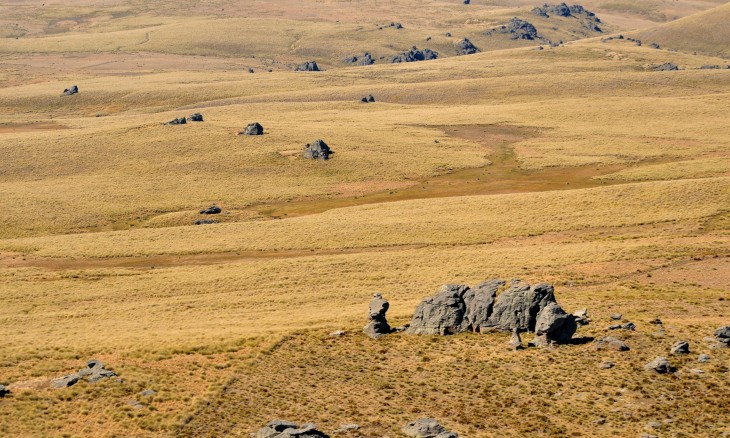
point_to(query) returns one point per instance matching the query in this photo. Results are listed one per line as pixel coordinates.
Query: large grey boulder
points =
(197, 117)
(660, 365)
(378, 325)
(518, 307)
(553, 326)
(442, 314)
(518, 29)
(479, 303)
(413, 55)
(680, 347)
(94, 372)
(254, 128)
(317, 151)
(71, 91)
(427, 428)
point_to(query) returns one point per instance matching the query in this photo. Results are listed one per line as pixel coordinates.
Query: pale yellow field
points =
(577, 165)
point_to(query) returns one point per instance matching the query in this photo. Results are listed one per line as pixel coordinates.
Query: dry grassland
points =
(577, 165)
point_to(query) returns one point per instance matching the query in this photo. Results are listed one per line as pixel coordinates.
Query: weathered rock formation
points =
(71, 91)
(317, 151)
(518, 29)
(611, 343)
(427, 428)
(254, 128)
(466, 47)
(586, 17)
(667, 66)
(368, 99)
(378, 325)
(197, 117)
(414, 55)
(521, 308)
(288, 429)
(308, 66)
(93, 372)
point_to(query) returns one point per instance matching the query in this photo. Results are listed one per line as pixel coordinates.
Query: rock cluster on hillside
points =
(365, 59)
(518, 29)
(288, 429)
(308, 66)
(466, 47)
(368, 99)
(213, 209)
(317, 151)
(94, 371)
(587, 18)
(521, 308)
(667, 66)
(414, 54)
(197, 117)
(178, 121)
(722, 335)
(427, 428)
(378, 324)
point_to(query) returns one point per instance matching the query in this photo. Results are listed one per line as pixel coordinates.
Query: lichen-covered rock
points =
(518, 307)
(479, 303)
(442, 314)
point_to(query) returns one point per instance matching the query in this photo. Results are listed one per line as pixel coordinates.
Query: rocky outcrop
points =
(365, 59)
(94, 372)
(458, 308)
(466, 47)
(427, 428)
(197, 117)
(254, 128)
(586, 17)
(288, 429)
(368, 99)
(722, 335)
(667, 66)
(71, 91)
(660, 365)
(317, 151)
(378, 324)
(518, 29)
(515, 341)
(308, 66)
(213, 209)
(414, 55)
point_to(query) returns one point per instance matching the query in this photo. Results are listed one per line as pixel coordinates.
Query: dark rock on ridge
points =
(213, 209)
(466, 47)
(414, 55)
(317, 151)
(378, 325)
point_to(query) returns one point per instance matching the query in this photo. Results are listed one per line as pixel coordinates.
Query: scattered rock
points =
(378, 325)
(177, 121)
(599, 421)
(338, 333)
(213, 209)
(581, 317)
(396, 25)
(308, 66)
(714, 67)
(317, 151)
(148, 392)
(71, 91)
(629, 326)
(448, 34)
(197, 117)
(414, 55)
(368, 99)
(346, 428)
(680, 347)
(667, 66)
(606, 365)
(205, 222)
(611, 343)
(288, 429)
(3, 391)
(586, 17)
(655, 46)
(93, 372)
(254, 128)
(703, 358)
(136, 404)
(516, 341)
(661, 365)
(250, 70)
(365, 59)
(466, 47)
(656, 321)
(616, 316)
(519, 306)
(722, 335)
(427, 428)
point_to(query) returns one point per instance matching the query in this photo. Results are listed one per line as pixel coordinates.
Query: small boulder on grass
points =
(254, 128)
(680, 347)
(660, 365)
(197, 117)
(71, 91)
(317, 151)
